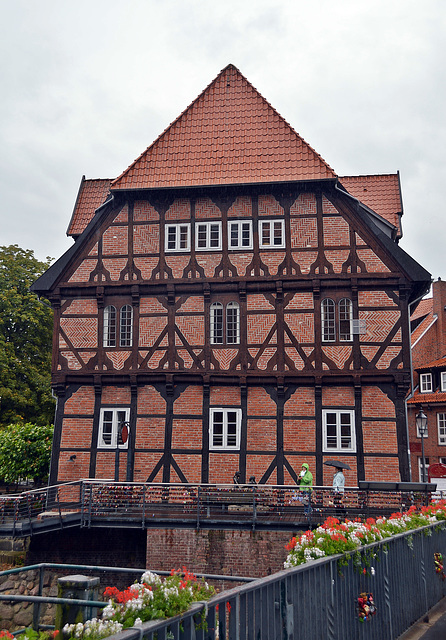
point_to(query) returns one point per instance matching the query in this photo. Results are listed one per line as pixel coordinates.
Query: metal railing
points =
(320, 599)
(96, 503)
(63, 569)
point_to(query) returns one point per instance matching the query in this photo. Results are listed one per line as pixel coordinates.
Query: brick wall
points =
(243, 553)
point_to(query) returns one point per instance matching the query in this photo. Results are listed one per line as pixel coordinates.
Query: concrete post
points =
(76, 587)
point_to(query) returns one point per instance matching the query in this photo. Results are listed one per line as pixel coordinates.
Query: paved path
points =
(433, 629)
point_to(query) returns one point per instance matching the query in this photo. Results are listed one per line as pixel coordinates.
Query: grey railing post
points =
(80, 588)
(36, 606)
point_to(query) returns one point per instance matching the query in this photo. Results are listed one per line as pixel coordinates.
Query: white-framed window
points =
(113, 424)
(177, 237)
(442, 460)
(420, 469)
(224, 428)
(426, 382)
(208, 236)
(345, 311)
(338, 430)
(443, 380)
(240, 234)
(111, 326)
(328, 315)
(271, 234)
(225, 323)
(441, 424)
(125, 326)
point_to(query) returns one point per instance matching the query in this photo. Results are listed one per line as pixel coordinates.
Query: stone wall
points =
(18, 615)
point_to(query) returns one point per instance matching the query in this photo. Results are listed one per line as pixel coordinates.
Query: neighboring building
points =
(428, 328)
(231, 304)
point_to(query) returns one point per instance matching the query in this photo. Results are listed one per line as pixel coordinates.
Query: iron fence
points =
(88, 503)
(320, 599)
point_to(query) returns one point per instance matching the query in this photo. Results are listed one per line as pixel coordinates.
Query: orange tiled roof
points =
(424, 308)
(92, 193)
(421, 328)
(427, 398)
(229, 135)
(381, 193)
(435, 364)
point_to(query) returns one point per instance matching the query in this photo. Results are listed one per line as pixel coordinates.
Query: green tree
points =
(26, 325)
(25, 451)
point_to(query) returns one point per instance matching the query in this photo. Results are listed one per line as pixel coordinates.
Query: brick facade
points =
(429, 358)
(233, 321)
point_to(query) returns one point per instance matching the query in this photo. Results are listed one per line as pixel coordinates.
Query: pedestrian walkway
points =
(430, 627)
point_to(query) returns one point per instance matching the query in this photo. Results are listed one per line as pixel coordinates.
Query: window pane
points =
(109, 326)
(214, 235)
(171, 238)
(233, 241)
(216, 323)
(217, 428)
(266, 234)
(201, 236)
(183, 237)
(246, 234)
(232, 429)
(441, 418)
(125, 331)
(107, 427)
(328, 320)
(232, 323)
(345, 316)
(278, 233)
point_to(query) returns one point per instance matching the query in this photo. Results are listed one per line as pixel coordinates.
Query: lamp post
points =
(421, 421)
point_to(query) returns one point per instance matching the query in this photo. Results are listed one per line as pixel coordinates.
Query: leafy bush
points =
(25, 451)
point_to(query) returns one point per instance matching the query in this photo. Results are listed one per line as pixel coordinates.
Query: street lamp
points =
(421, 420)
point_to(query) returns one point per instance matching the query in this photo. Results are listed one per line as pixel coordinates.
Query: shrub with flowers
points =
(150, 599)
(334, 536)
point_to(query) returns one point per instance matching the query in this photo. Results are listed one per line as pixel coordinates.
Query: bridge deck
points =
(91, 503)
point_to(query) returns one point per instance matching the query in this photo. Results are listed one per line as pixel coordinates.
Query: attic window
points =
(443, 380)
(426, 383)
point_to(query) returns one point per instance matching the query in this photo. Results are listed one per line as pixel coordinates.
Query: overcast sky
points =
(86, 86)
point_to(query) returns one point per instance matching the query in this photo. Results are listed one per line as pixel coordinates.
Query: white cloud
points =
(87, 86)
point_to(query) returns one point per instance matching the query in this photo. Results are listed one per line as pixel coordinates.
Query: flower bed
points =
(335, 537)
(150, 599)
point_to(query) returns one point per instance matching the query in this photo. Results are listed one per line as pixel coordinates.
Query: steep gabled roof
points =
(92, 193)
(229, 135)
(381, 193)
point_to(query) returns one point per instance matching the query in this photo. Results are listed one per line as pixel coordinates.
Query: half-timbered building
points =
(231, 304)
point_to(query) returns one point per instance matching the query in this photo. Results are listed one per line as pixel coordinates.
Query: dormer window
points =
(426, 383)
(443, 380)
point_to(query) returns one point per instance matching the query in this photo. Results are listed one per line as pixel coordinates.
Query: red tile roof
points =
(92, 193)
(427, 398)
(424, 308)
(435, 364)
(381, 193)
(421, 328)
(229, 135)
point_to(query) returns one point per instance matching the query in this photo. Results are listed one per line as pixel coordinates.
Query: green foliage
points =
(26, 326)
(25, 451)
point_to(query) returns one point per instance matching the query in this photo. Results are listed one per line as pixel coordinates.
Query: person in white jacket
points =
(338, 481)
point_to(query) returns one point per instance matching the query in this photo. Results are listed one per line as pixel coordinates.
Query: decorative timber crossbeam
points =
(96, 503)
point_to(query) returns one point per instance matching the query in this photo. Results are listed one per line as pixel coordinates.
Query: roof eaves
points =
(75, 205)
(48, 280)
